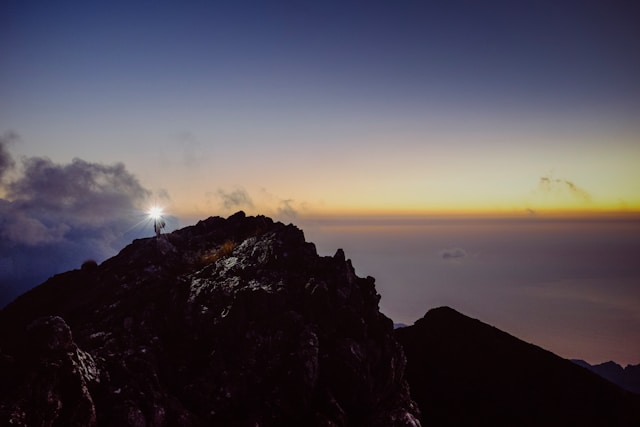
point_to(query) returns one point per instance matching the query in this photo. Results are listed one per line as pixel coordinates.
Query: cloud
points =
(93, 192)
(262, 202)
(549, 184)
(286, 209)
(454, 253)
(6, 160)
(235, 199)
(53, 217)
(163, 194)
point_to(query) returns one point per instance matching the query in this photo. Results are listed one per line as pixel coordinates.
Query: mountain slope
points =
(464, 372)
(233, 322)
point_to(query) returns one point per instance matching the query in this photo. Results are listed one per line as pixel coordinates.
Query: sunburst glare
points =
(155, 212)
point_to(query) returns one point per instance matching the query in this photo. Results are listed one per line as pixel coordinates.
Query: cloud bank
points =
(53, 217)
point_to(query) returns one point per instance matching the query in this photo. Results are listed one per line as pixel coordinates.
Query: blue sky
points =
(249, 94)
(308, 111)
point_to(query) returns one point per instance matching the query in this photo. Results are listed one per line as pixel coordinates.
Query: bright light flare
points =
(155, 212)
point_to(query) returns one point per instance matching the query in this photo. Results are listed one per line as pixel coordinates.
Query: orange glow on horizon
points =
(627, 210)
(611, 214)
(353, 213)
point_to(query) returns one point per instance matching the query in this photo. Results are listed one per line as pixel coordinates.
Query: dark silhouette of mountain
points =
(628, 378)
(231, 322)
(239, 322)
(463, 372)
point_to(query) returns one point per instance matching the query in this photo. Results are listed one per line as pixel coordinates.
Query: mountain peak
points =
(234, 321)
(444, 312)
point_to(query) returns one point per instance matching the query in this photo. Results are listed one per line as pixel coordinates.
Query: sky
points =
(377, 126)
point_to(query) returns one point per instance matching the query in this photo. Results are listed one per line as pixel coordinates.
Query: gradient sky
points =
(303, 110)
(335, 106)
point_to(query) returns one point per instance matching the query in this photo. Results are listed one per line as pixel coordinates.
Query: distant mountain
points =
(463, 372)
(231, 322)
(627, 378)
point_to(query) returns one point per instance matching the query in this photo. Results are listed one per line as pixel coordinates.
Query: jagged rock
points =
(234, 322)
(56, 375)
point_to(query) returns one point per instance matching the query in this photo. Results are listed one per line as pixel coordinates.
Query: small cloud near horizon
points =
(286, 209)
(453, 253)
(265, 203)
(236, 199)
(550, 184)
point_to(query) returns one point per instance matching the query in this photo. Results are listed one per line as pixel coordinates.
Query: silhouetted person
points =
(158, 225)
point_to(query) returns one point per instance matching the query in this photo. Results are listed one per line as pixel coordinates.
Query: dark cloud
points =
(550, 184)
(54, 217)
(454, 253)
(235, 199)
(94, 193)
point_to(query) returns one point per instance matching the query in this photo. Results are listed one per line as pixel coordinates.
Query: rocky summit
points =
(230, 322)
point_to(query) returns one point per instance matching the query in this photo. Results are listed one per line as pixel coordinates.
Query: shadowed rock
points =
(233, 322)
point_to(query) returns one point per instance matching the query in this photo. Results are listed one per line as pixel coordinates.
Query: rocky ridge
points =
(233, 322)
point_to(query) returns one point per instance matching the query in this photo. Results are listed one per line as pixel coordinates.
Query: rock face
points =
(231, 322)
(464, 372)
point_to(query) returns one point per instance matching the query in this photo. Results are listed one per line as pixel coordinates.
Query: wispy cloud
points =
(163, 194)
(550, 184)
(286, 209)
(236, 199)
(263, 202)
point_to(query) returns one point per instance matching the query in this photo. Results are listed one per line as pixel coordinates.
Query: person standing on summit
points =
(158, 225)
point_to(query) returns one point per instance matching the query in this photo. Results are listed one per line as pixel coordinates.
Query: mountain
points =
(463, 372)
(231, 322)
(239, 322)
(628, 378)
